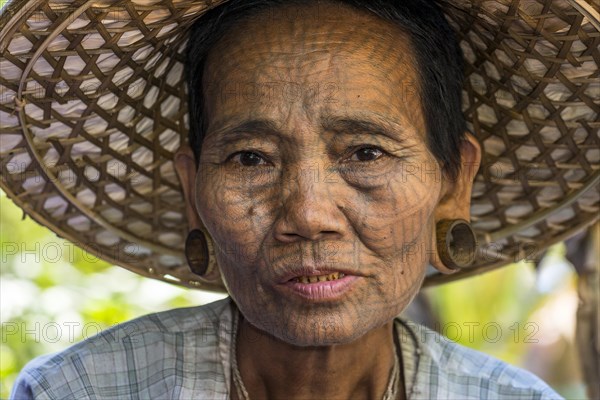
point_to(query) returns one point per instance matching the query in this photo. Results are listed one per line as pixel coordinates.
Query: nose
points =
(309, 208)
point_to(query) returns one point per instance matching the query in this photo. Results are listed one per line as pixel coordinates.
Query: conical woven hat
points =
(93, 106)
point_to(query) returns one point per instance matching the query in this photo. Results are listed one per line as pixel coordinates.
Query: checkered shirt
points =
(185, 354)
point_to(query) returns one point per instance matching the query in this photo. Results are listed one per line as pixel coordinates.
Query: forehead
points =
(320, 59)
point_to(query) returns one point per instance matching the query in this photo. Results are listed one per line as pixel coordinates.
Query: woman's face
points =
(315, 164)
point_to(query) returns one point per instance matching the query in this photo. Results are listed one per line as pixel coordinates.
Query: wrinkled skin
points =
(316, 154)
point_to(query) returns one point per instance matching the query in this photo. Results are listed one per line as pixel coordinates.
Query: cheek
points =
(394, 219)
(235, 212)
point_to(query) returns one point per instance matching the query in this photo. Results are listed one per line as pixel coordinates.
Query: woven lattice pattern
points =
(532, 97)
(93, 107)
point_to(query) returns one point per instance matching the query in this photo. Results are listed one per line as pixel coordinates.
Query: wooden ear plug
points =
(196, 252)
(456, 243)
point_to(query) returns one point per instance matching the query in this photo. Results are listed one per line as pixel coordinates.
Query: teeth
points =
(319, 278)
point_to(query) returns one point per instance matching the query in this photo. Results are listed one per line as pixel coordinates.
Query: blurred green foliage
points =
(53, 294)
(490, 312)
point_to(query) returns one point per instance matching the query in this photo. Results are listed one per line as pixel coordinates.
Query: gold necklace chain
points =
(391, 392)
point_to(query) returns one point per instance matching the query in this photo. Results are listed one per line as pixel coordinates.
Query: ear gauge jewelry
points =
(196, 252)
(456, 243)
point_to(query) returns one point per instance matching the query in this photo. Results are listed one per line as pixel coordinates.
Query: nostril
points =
(289, 237)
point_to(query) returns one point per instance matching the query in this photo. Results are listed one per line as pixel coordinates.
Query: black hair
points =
(434, 44)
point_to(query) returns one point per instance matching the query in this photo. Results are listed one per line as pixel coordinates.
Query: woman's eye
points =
(366, 154)
(248, 159)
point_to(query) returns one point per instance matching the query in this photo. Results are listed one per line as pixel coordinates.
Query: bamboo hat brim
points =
(93, 106)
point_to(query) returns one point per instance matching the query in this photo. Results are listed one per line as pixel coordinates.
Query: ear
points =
(185, 166)
(455, 200)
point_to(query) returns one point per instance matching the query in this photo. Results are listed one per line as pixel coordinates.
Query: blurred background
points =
(53, 294)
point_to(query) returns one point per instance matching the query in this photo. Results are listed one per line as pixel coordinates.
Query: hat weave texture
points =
(93, 105)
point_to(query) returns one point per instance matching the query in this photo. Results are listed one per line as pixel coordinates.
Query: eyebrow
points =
(246, 130)
(339, 125)
(361, 126)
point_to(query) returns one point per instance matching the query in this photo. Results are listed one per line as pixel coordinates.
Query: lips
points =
(320, 291)
(317, 285)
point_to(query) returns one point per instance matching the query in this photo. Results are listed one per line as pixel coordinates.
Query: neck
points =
(272, 369)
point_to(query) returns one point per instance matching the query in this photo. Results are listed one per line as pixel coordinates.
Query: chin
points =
(318, 330)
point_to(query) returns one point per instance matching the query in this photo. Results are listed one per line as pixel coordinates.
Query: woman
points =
(329, 163)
